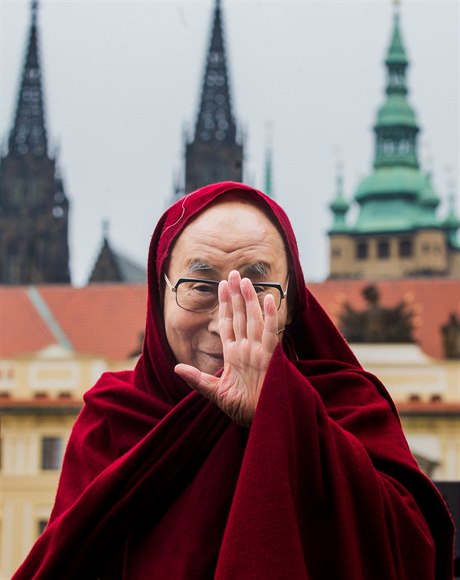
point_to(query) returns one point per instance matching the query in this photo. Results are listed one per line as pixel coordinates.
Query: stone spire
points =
(215, 120)
(34, 209)
(215, 154)
(28, 134)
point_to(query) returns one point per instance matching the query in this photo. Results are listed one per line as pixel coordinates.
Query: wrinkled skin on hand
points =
(249, 340)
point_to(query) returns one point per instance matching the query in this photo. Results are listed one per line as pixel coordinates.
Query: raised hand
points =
(249, 340)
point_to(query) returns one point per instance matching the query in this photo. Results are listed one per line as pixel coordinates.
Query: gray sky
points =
(122, 79)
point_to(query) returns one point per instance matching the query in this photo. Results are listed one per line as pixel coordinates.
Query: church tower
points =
(33, 205)
(215, 153)
(397, 232)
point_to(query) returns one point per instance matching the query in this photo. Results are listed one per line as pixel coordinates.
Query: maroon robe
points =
(158, 483)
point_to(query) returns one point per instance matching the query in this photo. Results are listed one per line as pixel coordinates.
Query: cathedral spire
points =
(34, 209)
(28, 134)
(215, 153)
(215, 120)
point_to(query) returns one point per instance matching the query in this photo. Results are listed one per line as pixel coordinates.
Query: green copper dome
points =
(396, 111)
(339, 207)
(391, 181)
(428, 196)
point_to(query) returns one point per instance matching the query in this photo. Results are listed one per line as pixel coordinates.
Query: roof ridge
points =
(48, 318)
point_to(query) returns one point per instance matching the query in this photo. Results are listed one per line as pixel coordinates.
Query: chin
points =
(210, 365)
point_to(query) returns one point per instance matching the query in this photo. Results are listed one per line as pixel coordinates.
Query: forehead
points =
(230, 234)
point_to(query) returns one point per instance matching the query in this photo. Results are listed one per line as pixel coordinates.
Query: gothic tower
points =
(215, 153)
(397, 232)
(33, 205)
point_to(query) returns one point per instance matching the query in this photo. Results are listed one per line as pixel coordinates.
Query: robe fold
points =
(158, 483)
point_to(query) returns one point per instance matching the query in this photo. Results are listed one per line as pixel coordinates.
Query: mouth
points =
(217, 356)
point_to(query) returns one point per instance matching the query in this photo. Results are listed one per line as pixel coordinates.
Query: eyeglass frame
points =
(173, 288)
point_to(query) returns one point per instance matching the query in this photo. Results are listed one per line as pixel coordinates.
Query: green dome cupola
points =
(394, 230)
(396, 127)
(397, 196)
(339, 206)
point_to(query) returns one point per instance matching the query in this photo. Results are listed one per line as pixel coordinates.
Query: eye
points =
(204, 288)
(259, 289)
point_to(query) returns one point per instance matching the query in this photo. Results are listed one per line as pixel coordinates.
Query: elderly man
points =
(248, 442)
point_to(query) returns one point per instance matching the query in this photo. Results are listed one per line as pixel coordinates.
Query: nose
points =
(213, 324)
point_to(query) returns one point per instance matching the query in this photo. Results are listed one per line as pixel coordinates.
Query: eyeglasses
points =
(198, 295)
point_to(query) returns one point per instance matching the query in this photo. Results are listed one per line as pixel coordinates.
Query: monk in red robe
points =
(248, 443)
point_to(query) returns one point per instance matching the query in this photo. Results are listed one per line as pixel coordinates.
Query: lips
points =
(215, 355)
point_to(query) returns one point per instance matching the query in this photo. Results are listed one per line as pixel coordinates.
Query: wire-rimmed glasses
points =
(199, 295)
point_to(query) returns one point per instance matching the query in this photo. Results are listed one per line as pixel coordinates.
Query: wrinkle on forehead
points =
(231, 232)
(254, 269)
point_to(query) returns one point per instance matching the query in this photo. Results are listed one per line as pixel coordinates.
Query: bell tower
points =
(33, 205)
(397, 232)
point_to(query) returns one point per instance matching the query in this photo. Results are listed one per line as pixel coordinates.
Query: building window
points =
(51, 452)
(361, 250)
(383, 250)
(405, 248)
(336, 252)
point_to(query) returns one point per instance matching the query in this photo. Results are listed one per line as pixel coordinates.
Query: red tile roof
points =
(21, 328)
(432, 300)
(103, 319)
(107, 319)
(100, 319)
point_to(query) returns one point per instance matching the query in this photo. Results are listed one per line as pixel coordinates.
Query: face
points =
(230, 235)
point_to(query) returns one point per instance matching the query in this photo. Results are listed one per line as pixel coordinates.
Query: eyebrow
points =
(257, 269)
(198, 265)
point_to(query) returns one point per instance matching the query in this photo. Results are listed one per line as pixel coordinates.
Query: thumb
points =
(202, 382)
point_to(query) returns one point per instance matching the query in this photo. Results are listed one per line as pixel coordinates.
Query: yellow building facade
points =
(41, 396)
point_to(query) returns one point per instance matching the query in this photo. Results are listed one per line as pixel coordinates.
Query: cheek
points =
(284, 316)
(181, 331)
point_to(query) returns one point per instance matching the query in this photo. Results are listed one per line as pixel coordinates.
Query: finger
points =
(225, 314)
(270, 331)
(205, 384)
(255, 321)
(238, 305)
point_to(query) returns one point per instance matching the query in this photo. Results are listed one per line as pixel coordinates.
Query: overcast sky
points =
(122, 80)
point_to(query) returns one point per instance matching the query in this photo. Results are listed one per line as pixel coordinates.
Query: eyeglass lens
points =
(200, 296)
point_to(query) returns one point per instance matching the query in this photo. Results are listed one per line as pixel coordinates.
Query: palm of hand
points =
(249, 341)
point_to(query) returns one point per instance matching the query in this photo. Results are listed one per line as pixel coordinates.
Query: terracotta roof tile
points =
(101, 319)
(22, 329)
(431, 299)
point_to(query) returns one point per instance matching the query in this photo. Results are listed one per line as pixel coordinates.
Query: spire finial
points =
(34, 10)
(105, 229)
(338, 169)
